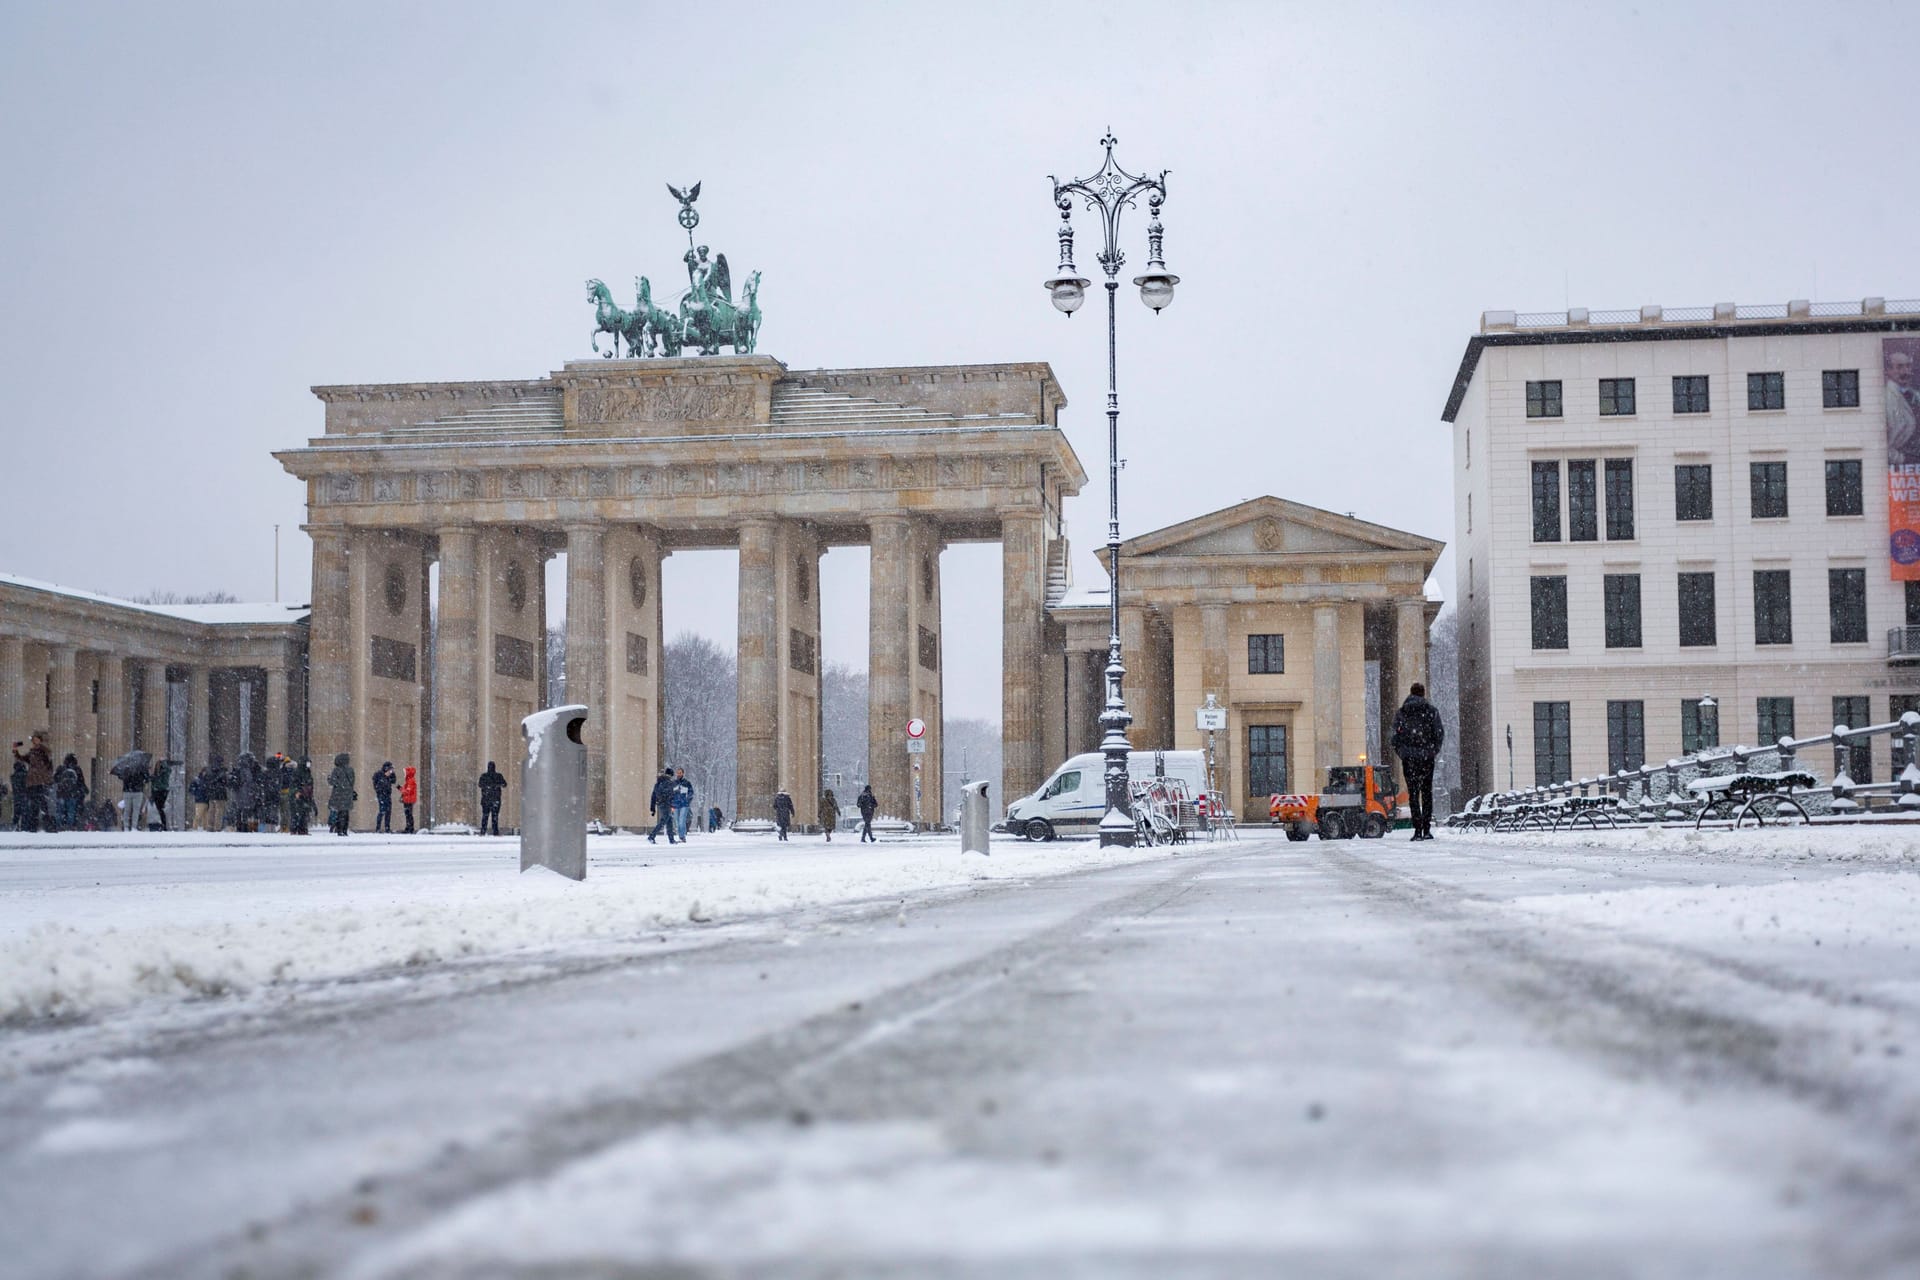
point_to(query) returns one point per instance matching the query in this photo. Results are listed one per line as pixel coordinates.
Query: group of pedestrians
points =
(41, 795)
(866, 802)
(671, 805)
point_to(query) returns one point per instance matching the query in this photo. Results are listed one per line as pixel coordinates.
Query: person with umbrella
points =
(133, 771)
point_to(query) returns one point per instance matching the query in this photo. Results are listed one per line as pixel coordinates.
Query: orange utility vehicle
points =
(1360, 800)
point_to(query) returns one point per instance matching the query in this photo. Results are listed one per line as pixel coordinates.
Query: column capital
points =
(62, 651)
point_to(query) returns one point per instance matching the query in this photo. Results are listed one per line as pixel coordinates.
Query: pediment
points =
(1272, 526)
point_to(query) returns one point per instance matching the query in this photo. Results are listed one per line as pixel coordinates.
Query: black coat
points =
(868, 803)
(493, 784)
(662, 797)
(783, 807)
(1417, 730)
(384, 781)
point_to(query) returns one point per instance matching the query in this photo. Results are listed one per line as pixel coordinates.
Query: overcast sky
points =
(205, 210)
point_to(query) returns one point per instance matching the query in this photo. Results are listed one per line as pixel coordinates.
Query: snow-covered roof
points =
(242, 613)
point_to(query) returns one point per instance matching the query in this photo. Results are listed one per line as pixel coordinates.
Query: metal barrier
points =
(1733, 785)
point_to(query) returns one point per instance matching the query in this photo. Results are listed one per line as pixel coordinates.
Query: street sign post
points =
(1212, 718)
(916, 747)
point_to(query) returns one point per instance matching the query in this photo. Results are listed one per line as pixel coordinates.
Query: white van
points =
(1074, 799)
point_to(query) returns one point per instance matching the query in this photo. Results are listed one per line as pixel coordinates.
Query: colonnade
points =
(389, 681)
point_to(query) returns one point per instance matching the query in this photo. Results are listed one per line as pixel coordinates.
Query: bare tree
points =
(1443, 690)
(700, 687)
(843, 727)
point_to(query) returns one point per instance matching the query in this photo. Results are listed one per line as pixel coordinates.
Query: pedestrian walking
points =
(869, 804)
(714, 818)
(218, 780)
(682, 801)
(384, 781)
(341, 794)
(134, 776)
(302, 796)
(160, 786)
(493, 785)
(409, 796)
(39, 762)
(829, 813)
(660, 805)
(1417, 737)
(783, 811)
(70, 792)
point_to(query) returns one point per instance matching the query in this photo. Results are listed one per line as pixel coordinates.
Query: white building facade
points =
(1672, 531)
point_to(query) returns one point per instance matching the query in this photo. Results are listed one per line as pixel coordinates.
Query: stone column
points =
(1328, 749)
(456, 661)
(890, 655)
(153, 709)
(586, 650)
(113, 710)
(199, 718)
(1084, 700)
(1023, 587)
(1216, 677)
(757, 736)
(1410, 644)
(330, 655)
(13, 692)
(277, 712)
(62, 718)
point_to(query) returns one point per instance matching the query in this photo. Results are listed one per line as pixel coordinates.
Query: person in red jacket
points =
(409, 795)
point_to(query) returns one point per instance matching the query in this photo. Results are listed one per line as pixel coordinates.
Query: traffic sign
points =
(916, 746)
(1213, 718)
(916, 728)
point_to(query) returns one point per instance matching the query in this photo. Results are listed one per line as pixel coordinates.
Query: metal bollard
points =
(973, 817)
(553, 792)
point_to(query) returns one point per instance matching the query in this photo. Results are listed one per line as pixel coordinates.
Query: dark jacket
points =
(829, 810)
(68, 782)
(662, 797)
(39, 766)
(340, 785)
(384, 781)
(216, 779)
(162, 777)
(783, 808)
(1417, 731)
(868, 803)
(682, 791)
(493, 784)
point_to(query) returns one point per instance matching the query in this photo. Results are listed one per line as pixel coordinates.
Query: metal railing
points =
(1657, 793)
(1903, 644)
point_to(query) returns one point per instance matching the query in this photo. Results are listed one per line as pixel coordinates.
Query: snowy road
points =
(1491, 1056)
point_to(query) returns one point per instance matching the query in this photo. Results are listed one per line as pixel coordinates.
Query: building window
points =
(1772, 606)
(1546, 502)
(1619, 499)
(1769, 483)
(1844, 490)
(1583, 501)
(1697, 610)
(1266, 655)
(1550, 612)
(1690, 393)
(1543, 399)
(1694, 726)
(1693, 492)
(1847, 605)
(1766, 391)
(1776, 719)
(1266, 759)
(1840, 389)
(1616, 396)
(1856, 712)
(1626, 735)
(1622, 598)
(1552, 743)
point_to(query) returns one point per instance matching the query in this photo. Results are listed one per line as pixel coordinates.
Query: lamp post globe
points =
(1106, 193)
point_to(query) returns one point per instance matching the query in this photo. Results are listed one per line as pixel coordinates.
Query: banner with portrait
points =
(1898, 358)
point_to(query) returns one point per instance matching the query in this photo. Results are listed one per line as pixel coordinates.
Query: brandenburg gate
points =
(619, 463)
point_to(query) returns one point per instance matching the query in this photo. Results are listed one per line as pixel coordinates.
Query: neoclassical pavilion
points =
(619, 463)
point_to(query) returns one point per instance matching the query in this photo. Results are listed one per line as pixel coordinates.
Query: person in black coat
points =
(783, 811)
(493, 785)
(1417, 736)
(869, 804)
(384, 781)
(660, 805)
(70, 790)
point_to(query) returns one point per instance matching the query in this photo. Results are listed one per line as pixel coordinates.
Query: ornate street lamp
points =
(1107, 192)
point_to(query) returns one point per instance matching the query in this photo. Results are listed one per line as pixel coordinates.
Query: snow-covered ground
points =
(91, 922)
